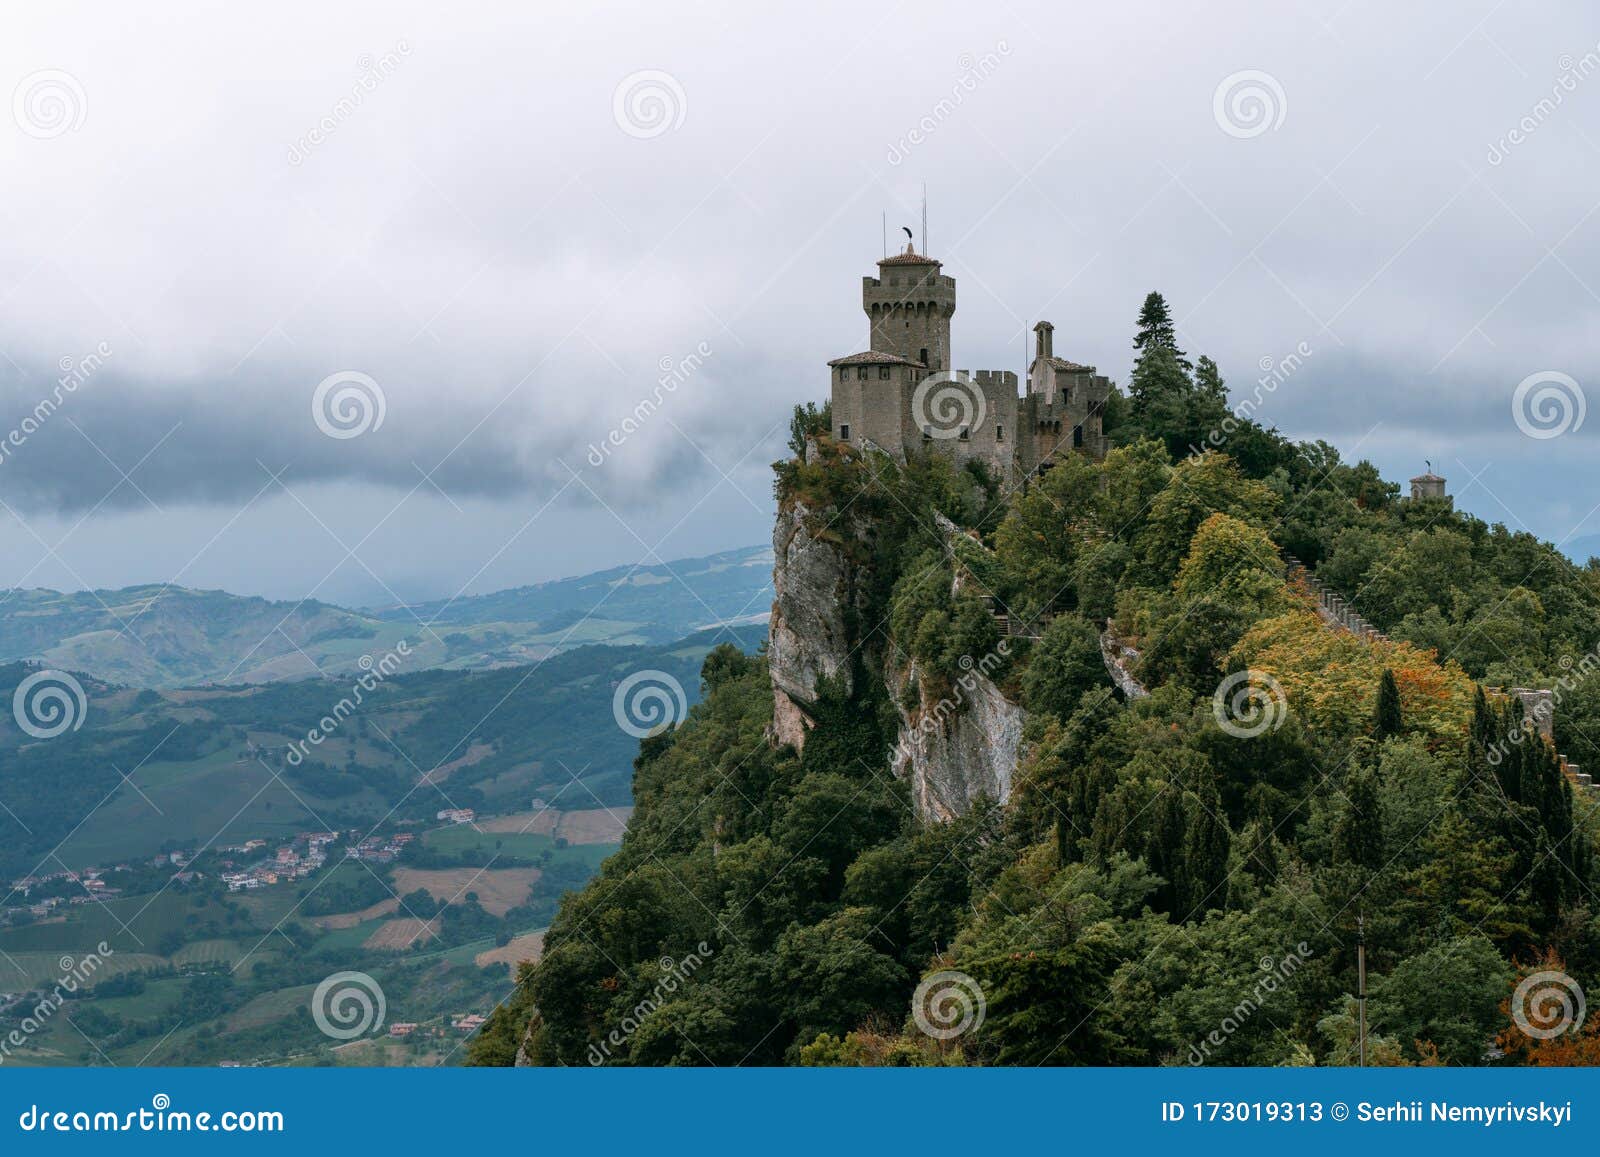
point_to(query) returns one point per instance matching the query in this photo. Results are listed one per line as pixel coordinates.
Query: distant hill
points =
(167, 636)
(214, 764)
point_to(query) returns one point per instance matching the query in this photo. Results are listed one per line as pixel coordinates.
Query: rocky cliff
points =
(809, 638)
(957, 748)
(951, 749)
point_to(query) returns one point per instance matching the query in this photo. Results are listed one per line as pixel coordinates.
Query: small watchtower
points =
(1427, 485)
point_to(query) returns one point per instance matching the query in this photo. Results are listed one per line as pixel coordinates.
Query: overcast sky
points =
(511, 218)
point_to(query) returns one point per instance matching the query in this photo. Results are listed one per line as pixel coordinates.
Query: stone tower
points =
(1428, 485)
(909, 305)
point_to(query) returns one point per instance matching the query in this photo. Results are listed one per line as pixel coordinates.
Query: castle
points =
(901, 396)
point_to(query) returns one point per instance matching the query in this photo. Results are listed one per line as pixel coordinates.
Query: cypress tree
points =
(1205, 854)
(1387, 721)
(1164, 851)
(1358, 836)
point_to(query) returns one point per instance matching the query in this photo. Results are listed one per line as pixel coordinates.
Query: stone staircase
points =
(1012, 626)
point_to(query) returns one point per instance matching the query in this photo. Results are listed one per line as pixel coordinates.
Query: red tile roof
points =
(909, 257)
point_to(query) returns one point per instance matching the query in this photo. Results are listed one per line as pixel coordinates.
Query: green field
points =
(464, 838)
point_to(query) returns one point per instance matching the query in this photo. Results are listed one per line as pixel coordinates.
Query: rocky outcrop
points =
(809, 636)
(959, 747)
(1120, 660)
(951, 749)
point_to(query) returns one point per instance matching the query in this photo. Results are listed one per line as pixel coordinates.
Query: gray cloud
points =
(476, 232)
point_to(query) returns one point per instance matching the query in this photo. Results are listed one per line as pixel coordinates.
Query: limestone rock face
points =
(951, 750)
(809, 635)
(957, 748)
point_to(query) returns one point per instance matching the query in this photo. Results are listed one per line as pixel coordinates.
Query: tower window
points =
(842, 373)
(1077, 435)
(861, 373)
(924, 358)
(966, 433)
(844, 431)
(927, 433)
(999, 433)
(883, 373)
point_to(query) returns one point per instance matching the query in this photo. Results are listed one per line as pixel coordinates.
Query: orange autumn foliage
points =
(1331, 677)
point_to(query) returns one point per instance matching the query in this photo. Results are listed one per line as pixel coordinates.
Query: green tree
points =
(1387, 721)
(1156, 330)
(1358, 837)
(1065, 663)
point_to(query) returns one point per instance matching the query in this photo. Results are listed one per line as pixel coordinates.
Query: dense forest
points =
(1160, 887)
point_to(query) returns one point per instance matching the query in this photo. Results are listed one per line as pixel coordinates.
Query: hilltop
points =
(163, 636)
(1084, 771)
